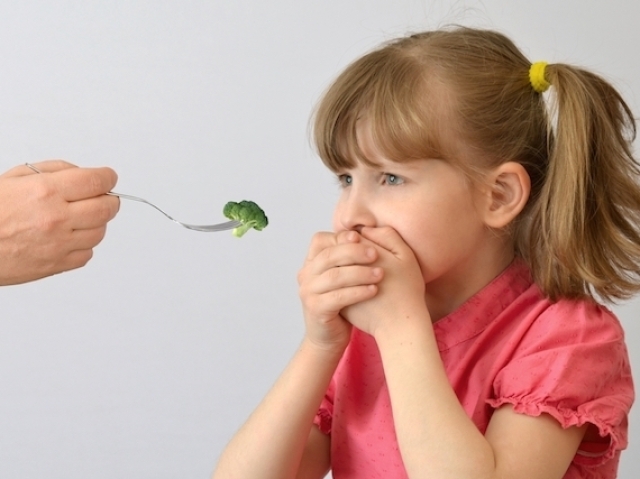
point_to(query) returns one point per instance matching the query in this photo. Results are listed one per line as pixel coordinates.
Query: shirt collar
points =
(477, 312)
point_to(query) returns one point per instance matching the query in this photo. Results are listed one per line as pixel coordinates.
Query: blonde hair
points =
(427, 93)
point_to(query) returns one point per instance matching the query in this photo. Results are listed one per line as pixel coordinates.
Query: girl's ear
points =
(508, 189)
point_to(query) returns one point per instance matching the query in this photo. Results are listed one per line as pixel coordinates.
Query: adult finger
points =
(71, 260)
(51, 166)
(79, 183)
(48, 166)
(93, 212)
(74, 260)
(86, 239)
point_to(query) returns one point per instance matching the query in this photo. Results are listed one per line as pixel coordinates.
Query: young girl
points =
(452, 323)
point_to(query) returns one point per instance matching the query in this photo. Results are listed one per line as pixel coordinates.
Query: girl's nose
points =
(353, 213)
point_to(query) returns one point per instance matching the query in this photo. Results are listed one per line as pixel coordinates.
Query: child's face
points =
(433, 207)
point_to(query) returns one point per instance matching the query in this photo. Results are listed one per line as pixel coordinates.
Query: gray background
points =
(144, 363)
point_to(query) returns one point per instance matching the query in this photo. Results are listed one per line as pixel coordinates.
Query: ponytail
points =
(584, 237)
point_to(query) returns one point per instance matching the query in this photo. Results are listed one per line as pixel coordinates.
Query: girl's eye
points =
(393, 180)
(345, 180)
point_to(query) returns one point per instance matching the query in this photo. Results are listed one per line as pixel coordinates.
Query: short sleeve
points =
(572, 364)
(324, 417)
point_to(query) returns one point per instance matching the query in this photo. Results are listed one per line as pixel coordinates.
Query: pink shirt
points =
(505, 345)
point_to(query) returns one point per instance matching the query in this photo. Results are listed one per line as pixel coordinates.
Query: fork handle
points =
(141, 200)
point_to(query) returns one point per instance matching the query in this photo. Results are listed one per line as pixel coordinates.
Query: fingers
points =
(340, 249)
(385, 237)
(338, 276)
(48, 166)
(51, 166)
(338, 272)
(330, 304)
(335, 277)
(83, 240)
(320, 242)
(324, 240)
(93, 212)
(79, 250)
(78, 259)
(345, 277)
(344, 255)
(72, 183)
(79, 183)
(73, 260)
(325, 296)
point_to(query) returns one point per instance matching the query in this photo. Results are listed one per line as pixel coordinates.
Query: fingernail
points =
(371, 253)
(352, 236)
(377, 272)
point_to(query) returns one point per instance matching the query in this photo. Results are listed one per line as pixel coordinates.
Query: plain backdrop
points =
(144, 363)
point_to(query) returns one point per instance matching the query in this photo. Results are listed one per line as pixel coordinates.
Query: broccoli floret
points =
(249, 213)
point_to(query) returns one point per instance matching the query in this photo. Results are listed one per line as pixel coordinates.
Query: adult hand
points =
(50, 222)
(336, 274)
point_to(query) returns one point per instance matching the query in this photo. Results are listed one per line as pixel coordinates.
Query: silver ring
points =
(29, 165)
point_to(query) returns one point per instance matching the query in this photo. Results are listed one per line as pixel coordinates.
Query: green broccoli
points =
(249, 213)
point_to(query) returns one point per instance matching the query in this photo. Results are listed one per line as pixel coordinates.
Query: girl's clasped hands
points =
(367, 279)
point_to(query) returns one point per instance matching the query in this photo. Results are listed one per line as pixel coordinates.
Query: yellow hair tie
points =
(536, 77)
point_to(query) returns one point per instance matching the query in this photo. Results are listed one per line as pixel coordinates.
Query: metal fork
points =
(228, 225)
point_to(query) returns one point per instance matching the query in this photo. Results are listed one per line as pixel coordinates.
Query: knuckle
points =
(54, 164)
(60, 164)
(301, 276)
(342, 236)
(99, 234)
(100, 180)
(305, 293)
(319, 242)
(327, 255)
(335, 274)
(41, 190)
(84, 257)
(318, 238)
(338, 296)
(51, 222)
(105, 209)
(98, 183)
(77, 259)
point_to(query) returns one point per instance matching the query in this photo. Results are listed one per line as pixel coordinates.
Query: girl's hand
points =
(337, 273)
(401, 293)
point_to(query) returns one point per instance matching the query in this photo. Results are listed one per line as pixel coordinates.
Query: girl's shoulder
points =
(576, 319)
(569, 359)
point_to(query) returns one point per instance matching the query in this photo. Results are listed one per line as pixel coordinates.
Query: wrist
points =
(327, 351)
(406, 328)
